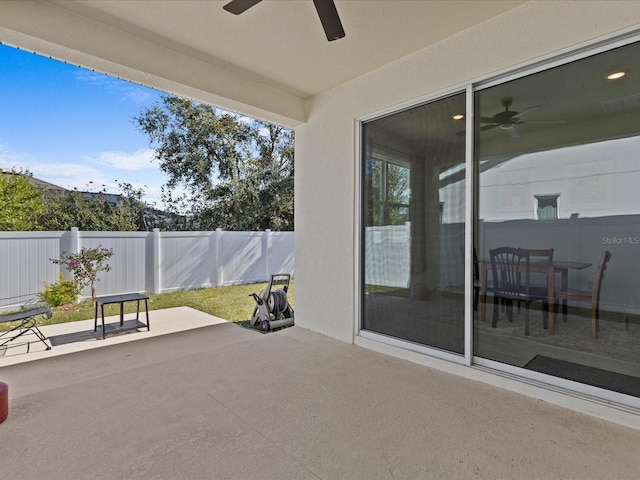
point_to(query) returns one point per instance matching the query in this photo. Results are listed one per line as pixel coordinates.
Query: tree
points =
(85, 265)
(20, 202)
(95, 211)
(224, 170)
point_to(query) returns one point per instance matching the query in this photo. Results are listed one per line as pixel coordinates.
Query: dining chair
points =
(587, 296)
(511, 272)
(539, 279)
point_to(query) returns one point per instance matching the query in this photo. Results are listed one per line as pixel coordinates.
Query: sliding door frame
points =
(624, 402)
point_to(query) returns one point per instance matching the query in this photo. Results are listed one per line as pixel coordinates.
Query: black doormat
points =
(597, 377)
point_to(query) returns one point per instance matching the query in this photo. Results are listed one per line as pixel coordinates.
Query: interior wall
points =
(326, 145)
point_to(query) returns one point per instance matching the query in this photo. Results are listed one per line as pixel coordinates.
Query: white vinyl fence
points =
(152, 262)
(388, 252)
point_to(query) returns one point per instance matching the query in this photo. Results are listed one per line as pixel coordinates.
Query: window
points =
(390, 191)
(547, 207)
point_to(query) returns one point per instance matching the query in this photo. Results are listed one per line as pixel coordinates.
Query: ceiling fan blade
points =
(330, 20)
(489, 127)
(525, 111)
(239, 6)
(488, 120)
(512, 131)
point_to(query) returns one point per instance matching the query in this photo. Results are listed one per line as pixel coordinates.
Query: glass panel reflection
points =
(413, 211)
(558, 161)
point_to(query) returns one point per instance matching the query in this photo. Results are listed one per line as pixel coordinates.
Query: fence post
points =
(70, 243)
(266, 252)
(218, 277)
(74, 240)
(154, 268)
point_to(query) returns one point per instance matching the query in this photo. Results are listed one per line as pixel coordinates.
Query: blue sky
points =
(71, 126)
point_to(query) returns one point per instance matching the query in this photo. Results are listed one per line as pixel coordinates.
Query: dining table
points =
(536, 266)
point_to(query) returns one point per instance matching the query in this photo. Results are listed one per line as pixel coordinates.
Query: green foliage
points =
(98, 211)
(25, 207)
(388, 188)
(60, 293)
(236, 174)
(85, 265)
(20, 202)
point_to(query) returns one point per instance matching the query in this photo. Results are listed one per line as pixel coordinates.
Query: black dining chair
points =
(511, 272)
(539, 279)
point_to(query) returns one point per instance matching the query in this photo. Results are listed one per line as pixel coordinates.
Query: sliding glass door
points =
(558, 167)
(556, 224)
(413, 171)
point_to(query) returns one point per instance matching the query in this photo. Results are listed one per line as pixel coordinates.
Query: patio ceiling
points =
(266, 62)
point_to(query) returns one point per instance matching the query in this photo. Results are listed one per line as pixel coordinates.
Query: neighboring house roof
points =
(49, 188)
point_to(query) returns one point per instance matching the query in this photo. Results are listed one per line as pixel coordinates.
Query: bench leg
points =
(146, 309)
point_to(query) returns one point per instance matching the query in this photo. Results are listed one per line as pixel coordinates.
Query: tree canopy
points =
(99, 211)
(20, 202)
(24, 207)
(225, 171)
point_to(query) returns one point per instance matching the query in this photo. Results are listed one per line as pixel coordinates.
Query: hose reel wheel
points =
(277, 301)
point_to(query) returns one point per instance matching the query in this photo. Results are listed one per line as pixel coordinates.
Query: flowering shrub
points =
(85, 265)
(59, 293)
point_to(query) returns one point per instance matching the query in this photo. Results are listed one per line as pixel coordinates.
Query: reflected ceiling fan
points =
(508, 119)
(326, 11)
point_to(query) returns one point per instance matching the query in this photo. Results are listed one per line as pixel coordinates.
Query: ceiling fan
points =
(508, 119)
(326, 11)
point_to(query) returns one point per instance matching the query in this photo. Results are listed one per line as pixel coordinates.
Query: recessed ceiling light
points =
(458, 116)
(616, 75)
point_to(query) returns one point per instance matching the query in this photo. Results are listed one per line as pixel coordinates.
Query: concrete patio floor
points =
(223, 402)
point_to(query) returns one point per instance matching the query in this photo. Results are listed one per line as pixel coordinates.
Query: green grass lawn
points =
(231, 303)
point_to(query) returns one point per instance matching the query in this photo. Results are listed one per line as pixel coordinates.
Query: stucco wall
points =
(326, 196)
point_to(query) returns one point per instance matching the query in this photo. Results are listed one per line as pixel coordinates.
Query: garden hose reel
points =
(272, 308)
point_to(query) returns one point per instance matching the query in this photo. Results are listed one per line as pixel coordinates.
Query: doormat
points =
(596, 377)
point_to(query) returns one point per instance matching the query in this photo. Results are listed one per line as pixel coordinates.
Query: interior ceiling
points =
(577, 100)
(282, 44)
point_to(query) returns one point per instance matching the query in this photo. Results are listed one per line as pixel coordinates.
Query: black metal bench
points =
(20, 333)
(122, 299)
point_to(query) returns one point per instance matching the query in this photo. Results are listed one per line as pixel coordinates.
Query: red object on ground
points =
(4, 401)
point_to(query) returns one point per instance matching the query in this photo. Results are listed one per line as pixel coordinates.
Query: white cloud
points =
(105, 171)
(138, 94)
(66, 175)
(139, 160)
(12, 160)
(124, 88)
